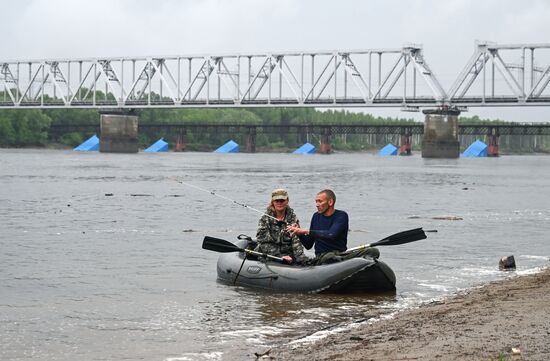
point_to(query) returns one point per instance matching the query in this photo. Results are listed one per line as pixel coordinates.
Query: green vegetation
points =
(85, 122)
(23, 128)
(500, 357)
(517, 144)
(33, 127)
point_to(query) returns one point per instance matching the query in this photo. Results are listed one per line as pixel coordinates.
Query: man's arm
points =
(340, 224)
(302, 233)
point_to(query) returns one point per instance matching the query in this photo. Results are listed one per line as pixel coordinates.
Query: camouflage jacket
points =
(273, 239)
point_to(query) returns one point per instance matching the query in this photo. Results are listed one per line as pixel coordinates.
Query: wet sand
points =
(504, 320)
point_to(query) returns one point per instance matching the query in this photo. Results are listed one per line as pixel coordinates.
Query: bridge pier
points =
(441, 133)
(325, 147)
(119, 133)
(251, 140)
(405, 144)
(492, 149)
(180, 141)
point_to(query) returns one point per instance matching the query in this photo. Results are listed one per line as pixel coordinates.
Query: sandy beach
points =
(504, 320)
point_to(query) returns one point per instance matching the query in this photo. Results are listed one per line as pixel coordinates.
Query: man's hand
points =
(295, 229)
(287, 259)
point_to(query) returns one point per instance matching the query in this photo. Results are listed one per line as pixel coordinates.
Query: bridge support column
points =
(251, 140)
(325, 147)
(180, 141)
(441, 133)
(405, 146)
(119, 133)
(492, 149)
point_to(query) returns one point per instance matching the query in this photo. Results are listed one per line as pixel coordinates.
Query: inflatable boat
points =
(355, 275)
(362, 274)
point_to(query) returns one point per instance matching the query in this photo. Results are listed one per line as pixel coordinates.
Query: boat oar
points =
(411, 235)
(223, 246)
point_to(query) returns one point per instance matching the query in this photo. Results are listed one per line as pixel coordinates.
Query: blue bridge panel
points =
(389, 149)
(476, 149)
(229, 147)
(90, 145)
(159, 146)
(305, 149)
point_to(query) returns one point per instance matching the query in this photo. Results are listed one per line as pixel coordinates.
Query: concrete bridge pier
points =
(325, 147)
(441, 133)
(119, 133)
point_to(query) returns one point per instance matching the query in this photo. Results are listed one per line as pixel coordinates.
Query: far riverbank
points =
(59, 146)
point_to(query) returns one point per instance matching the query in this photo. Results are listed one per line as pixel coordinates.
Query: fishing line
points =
(227, 199)
(242, 204)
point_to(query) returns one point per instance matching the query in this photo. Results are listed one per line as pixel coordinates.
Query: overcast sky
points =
(447, 30)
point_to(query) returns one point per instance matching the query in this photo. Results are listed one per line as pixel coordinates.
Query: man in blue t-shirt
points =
(328, 229)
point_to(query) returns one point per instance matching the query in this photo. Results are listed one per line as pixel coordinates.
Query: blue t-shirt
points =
(327, 233)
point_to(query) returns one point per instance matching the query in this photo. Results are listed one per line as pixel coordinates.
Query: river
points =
(101, 259)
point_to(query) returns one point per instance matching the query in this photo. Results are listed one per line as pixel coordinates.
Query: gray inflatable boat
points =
(356, 275)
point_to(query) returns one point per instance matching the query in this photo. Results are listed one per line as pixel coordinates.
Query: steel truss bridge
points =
(320, 129)
(495, 75)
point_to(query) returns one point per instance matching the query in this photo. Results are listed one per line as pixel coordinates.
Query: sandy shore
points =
(504, 320)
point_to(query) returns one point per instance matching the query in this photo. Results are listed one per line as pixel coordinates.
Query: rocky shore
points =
(504, 320)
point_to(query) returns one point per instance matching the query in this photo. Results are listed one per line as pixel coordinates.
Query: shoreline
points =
(502, 320)
(374, 151)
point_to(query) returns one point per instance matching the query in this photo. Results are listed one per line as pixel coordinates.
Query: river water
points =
(101, 259)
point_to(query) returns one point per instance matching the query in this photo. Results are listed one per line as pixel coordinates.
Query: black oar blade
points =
(408, 236)
(219, 245)
(402, 238)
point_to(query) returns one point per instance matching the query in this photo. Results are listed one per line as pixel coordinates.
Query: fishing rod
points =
(227, 199)
(241, 204)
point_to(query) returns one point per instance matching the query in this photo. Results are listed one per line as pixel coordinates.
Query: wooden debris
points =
(448, 218)
(258, 355)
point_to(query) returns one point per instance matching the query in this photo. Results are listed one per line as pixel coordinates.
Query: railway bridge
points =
(324, 131)
(496, 75)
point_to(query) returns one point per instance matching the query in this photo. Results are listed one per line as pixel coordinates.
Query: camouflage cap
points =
(279, 194)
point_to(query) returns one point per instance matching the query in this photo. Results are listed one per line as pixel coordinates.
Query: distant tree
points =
(28, 127)
(7, 133)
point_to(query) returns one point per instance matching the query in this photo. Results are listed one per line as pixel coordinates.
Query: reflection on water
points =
(286, 307)
(101, 255)
(284, 317)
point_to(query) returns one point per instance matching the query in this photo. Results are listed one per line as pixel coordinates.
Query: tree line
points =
(31, 127)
